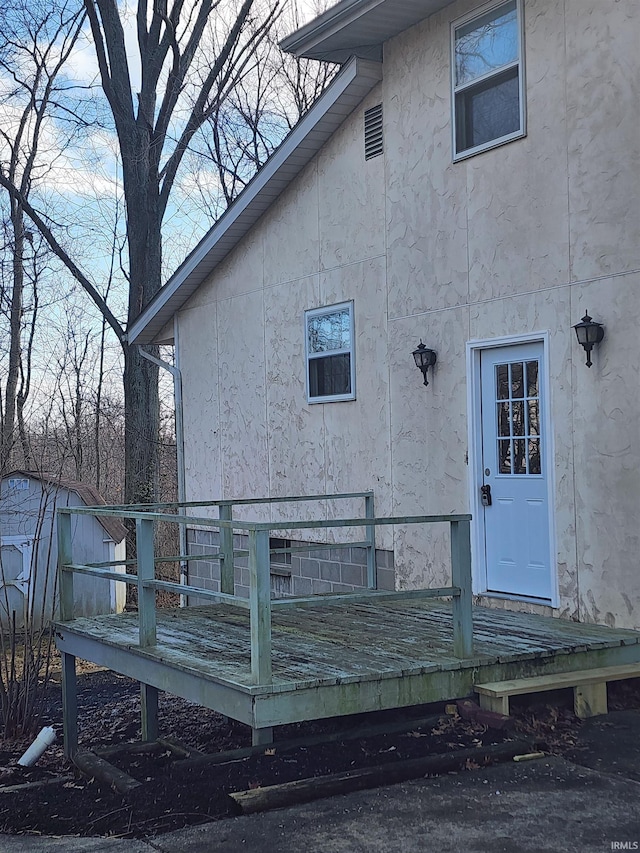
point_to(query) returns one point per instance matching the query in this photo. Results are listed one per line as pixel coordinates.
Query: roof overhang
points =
(358, 28)
(339, 99)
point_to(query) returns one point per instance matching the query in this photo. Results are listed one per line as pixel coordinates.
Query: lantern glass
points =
(589, 333)
(424, 359)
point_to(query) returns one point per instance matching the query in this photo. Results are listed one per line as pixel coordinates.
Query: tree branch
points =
(57, 249)
(199, 112)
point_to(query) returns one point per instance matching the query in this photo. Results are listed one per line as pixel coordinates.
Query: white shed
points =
(29, 549)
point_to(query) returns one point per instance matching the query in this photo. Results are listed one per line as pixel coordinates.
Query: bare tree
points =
(181, 84)
(271, 95)
(35, 42)
(205, 76)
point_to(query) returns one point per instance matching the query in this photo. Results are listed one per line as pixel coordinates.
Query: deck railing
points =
(259, 603)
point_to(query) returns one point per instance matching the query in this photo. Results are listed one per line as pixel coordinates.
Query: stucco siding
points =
(603, 136)
(520, 239)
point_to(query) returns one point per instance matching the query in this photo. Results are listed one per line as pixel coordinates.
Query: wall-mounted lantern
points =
(589, 333)
(424, 359)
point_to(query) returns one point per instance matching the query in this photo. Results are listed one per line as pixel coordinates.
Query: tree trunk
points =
(141, 400)
(15, 327)
(141, 408)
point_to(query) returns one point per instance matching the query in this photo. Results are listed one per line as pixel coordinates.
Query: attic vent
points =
(373, 132)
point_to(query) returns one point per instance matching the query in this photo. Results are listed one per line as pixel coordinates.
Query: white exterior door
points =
(514, 506)
(15, 572)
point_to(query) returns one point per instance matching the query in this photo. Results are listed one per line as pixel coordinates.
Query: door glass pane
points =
(532, 379)
(517, 417)
(504, 456)
(517, 389)
(519, 456)
(534, 456)
(503, 419)
(502, 381)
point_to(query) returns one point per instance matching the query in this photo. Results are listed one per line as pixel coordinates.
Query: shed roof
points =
(89, 495)
(338, 100)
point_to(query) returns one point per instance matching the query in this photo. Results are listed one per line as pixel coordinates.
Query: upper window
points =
(487, 79)
(330, 357)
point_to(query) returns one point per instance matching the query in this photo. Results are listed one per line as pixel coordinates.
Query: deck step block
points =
(589, 688)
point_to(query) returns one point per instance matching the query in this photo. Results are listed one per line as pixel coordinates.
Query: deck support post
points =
(260, 606)
(461, 577)
(262, 737)
(65, 577)
(149, 712)
(372, 573)
(146, 572)
(69, 705)
(227, 574)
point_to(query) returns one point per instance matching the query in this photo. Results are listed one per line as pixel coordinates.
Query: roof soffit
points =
(358, 28)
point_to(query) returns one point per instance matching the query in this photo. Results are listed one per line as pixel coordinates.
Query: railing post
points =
(146, 572)
(260, 606)
(227, 574)
(372, 572)
(65, 577)
(461, 577)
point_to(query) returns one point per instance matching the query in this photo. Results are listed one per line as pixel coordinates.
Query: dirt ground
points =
(53, 799)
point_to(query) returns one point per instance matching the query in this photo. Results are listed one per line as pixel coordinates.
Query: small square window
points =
(280, 551)
(488, 94)
(330, 358)
(19, 484)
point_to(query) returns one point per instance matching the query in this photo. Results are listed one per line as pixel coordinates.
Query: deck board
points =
(336, 655)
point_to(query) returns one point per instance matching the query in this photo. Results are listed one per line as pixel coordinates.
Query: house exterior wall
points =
(31, 514)
(318, 570)
(522, 238)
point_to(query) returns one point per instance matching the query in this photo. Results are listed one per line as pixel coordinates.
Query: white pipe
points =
(45, 738)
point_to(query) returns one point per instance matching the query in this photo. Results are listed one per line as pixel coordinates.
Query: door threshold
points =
(510, 596)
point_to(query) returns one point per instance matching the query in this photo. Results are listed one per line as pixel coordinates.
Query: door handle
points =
(485, 495)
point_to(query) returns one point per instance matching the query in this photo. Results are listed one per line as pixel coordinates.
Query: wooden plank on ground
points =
(306, 790)
(95, 767)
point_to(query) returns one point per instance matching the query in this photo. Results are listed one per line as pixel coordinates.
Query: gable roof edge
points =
(357, 28)
(345, 92)
(303, 41)
(88, 494)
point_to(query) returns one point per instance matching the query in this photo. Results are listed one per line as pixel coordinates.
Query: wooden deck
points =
(337, 658)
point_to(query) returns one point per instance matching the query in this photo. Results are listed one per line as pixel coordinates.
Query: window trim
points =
(331, 309)
(519, 64)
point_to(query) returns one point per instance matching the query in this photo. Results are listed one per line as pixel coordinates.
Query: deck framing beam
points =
(264, 706)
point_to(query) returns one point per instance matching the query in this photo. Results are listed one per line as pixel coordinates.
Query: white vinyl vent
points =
(373, 132)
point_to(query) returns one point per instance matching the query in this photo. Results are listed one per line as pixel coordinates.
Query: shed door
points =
(15, 570)
(514, 467)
